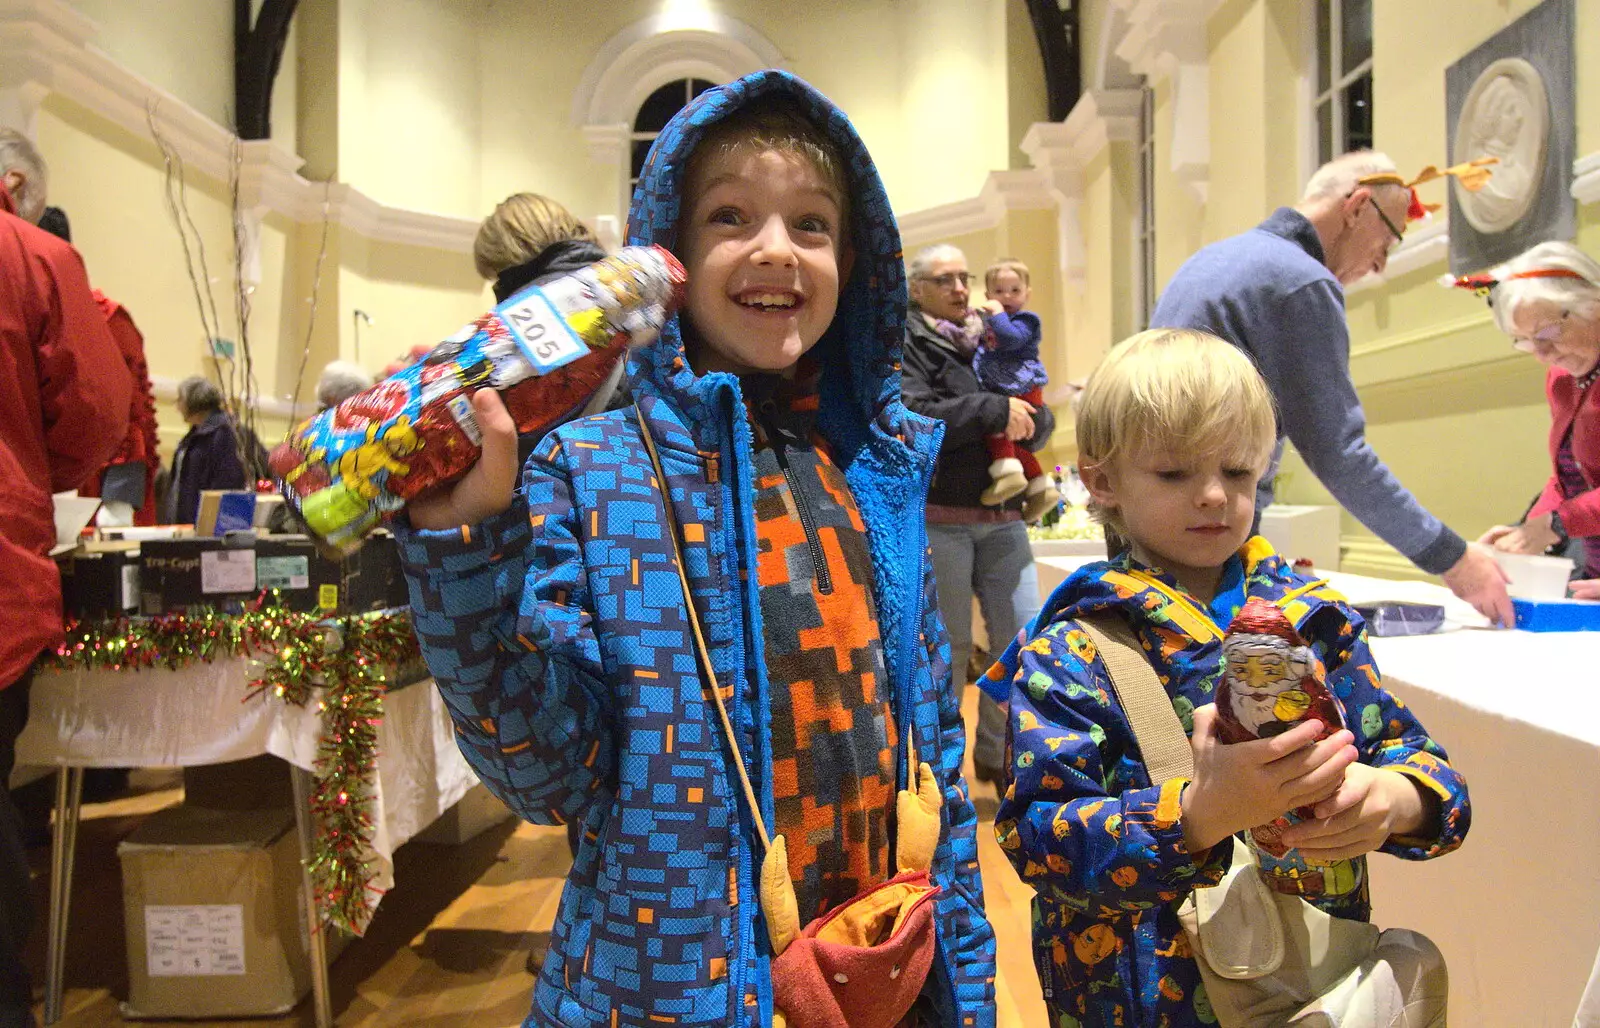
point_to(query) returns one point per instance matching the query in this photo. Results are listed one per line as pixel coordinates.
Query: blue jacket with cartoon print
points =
(1103, 844)
(559, 638)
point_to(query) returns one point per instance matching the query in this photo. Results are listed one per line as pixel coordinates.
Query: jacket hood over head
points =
(859, 354)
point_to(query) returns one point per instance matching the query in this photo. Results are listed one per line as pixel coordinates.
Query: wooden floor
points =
(449, 943)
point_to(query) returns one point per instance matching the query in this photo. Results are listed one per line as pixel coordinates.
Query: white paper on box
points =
(182, 941)
(539, 329)
(228, 571)
(283, 572)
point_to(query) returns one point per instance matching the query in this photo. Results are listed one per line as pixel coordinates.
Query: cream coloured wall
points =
(414, 122)
(915, 76)
(183, 46)
(111, 184)
(1026, 99)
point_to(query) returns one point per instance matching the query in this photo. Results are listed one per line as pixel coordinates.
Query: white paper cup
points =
(1534, 577)
(72, 515)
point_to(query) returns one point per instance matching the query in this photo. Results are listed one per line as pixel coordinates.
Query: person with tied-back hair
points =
(208, 456)
(530, 239)
(64, 401)
(1277, 293)
(1548, 301)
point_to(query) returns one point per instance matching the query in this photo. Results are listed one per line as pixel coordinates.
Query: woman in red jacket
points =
(1548, 301)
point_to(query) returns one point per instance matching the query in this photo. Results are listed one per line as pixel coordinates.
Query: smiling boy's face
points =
(762, 242)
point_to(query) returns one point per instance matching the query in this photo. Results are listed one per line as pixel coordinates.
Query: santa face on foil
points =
(1263, 674)
(1271, 679)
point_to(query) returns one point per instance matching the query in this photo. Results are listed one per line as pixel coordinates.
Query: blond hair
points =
(1177, 392)
(519, 230)
(1000, 264)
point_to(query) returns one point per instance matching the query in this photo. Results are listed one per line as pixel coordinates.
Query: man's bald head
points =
(25, 174)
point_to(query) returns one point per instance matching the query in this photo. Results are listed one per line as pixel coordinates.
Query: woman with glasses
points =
(1548, 301)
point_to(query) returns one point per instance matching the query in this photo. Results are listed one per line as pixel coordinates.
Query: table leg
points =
(316, 940)
(63, 846)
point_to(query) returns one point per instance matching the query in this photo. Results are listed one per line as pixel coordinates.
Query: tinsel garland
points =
(347, 656)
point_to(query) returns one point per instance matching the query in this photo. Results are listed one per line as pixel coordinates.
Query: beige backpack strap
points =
(1156, 727)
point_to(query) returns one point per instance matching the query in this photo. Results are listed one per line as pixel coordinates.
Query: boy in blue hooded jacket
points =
(1174, 429)
(553, 621)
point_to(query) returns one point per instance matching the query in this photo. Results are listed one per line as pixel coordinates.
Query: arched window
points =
(643, 75)
(658, 109)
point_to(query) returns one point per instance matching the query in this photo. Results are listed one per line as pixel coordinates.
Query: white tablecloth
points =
(199, 715)
(1517, 909)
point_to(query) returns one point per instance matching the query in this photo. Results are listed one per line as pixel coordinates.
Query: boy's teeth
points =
(768, 300)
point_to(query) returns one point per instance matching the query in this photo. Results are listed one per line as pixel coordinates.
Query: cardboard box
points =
(369, 579)
(1297, 531)
(225, 510)
(475, 813)
(100, 580)
(212, 905)
(177, 574)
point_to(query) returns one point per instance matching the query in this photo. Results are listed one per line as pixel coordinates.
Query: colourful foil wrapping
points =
(545, 350)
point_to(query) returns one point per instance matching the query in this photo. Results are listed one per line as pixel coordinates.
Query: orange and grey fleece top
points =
(833, 739)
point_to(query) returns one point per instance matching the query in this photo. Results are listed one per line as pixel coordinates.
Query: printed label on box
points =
(544, 335)
(283, 572)
(194, 940)
(228, 571)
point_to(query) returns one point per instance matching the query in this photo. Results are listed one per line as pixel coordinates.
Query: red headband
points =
(1482, 284)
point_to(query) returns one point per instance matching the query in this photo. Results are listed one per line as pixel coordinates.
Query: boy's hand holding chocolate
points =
(1370, 805)
(485, 490)
(1239, 786)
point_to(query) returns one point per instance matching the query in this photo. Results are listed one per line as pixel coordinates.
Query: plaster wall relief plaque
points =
(1512, 97)
(1506, 115)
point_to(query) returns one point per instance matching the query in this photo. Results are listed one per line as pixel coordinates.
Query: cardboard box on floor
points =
(214, 923)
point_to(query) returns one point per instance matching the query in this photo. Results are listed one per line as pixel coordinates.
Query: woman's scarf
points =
(964, 336)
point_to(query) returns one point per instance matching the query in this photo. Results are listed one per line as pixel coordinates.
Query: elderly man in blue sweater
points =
(1277, 292)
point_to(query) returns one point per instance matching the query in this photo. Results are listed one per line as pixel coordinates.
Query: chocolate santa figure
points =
(1271, 682)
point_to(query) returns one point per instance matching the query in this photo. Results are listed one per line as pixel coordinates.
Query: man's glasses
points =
(1541, 339)
(1399, 236)
(949, 280)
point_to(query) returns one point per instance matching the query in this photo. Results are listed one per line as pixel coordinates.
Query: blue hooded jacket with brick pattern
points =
(558, 635)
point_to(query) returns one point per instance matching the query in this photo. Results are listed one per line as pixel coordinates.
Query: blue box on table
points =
(1557, 615)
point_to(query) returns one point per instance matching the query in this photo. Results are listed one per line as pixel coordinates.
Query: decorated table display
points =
(343, 663)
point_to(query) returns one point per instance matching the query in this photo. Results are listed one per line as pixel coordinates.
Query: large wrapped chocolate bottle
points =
(546, 350)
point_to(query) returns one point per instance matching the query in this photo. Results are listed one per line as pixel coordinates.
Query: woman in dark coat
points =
(208, 456)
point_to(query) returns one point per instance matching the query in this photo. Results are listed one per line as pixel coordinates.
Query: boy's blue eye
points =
(724, 216)
(814, 223)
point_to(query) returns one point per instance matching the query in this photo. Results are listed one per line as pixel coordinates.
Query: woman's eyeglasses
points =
(949, 280)
(1541, 339)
